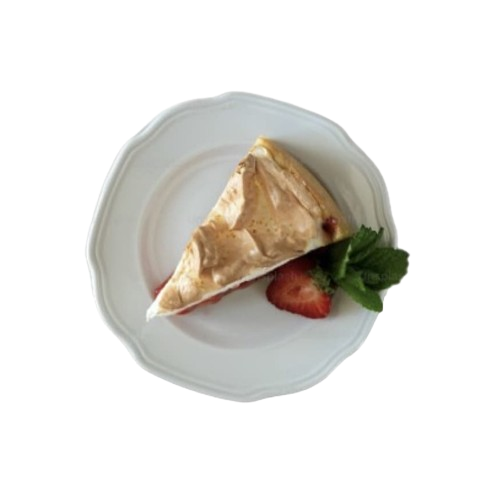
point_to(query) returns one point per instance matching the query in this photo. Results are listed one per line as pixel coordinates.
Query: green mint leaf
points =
(353, 285)
(383, 267)
(363, 242)
(338, 258)
(360, 267)
(322, 280)
(351, 250)
(354, 280)
(371, 278)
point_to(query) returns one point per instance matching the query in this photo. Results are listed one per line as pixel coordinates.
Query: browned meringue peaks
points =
(272, 210)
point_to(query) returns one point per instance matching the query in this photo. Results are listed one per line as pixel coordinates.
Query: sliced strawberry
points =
(294, 290)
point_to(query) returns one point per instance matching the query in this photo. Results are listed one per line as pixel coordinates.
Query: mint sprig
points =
(354, 285)
(361, 267)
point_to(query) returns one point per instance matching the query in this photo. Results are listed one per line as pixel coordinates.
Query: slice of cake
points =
(272, 210)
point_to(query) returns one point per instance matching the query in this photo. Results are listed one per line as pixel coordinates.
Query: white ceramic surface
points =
(161, 185)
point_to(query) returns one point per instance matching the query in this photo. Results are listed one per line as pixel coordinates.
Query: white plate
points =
(162, 184)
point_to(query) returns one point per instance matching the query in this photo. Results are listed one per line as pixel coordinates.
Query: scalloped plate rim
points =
(105, 196)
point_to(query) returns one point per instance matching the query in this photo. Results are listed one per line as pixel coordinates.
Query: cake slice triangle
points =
(271, 211)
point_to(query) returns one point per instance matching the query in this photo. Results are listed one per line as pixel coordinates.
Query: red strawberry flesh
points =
(294, 290)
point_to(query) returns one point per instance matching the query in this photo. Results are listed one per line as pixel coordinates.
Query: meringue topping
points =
(271, 211)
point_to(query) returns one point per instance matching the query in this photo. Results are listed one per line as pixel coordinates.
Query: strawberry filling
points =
(159, 288)
(329, 226)
(211, 300)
